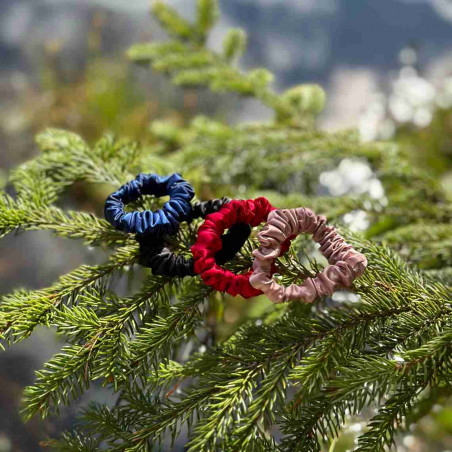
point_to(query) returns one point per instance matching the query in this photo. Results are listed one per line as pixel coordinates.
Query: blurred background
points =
(386, 66)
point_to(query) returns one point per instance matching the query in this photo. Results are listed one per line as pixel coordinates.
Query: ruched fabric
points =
(250, 212)
(162, 221)
(201, 209)
(162, 261)
(346, 264)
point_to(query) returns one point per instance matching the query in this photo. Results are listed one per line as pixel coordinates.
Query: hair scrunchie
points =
(346, 264)
(155, 255)
(252, 212)
(162, 221)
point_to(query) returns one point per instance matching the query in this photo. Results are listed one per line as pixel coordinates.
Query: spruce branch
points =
(23, 311)
(389, 418)
(191, 64)
(17, 216)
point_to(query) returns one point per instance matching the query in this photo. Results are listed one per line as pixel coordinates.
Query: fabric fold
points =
(345, 263)
(161, 222)
(155, 255)
(251, 212)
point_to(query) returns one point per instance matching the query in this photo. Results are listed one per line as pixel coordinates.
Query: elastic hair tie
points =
(346, 264)
(209, 243)
(155, 255)
(162, 221)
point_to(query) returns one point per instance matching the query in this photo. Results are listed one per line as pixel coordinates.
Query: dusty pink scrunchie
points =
(346, 264)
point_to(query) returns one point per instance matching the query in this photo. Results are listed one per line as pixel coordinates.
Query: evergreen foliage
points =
(301, 370)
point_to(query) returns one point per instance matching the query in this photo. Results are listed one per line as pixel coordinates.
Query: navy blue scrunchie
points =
(162, 221)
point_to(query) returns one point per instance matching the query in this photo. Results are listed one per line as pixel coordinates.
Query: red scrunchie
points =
(252, 212)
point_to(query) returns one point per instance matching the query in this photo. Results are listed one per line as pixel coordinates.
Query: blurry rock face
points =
(27, 25)
(302, 39)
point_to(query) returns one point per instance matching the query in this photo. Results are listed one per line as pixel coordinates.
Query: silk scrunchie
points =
(155, 255)
(346, 264)
(251, 212)
(162, 221)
